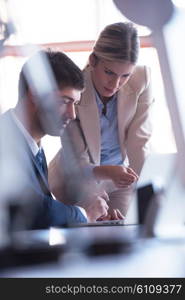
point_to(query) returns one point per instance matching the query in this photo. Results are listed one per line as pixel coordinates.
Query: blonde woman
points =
(112, 128)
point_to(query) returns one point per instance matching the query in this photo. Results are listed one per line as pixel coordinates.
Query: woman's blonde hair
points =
(118, 42)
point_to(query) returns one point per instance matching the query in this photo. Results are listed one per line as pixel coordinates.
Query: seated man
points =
(23, 165)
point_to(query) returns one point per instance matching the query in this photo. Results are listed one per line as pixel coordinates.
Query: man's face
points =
(64, 103)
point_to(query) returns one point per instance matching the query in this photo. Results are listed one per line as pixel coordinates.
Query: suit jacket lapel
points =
(18, 135)
(89, 119)
(124, 109)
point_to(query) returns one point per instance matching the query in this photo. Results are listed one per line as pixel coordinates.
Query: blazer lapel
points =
(89, 116)
(24, 151)
(41, 177)
(89, 119)
(125, 102)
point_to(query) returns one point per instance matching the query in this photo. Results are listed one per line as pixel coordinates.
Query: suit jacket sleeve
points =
(45, 211)
(60, 214)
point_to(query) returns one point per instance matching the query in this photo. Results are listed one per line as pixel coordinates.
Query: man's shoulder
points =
(6, 123)
(5, 116)
(10, 134)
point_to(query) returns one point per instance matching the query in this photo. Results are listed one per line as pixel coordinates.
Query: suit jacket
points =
(27, 182)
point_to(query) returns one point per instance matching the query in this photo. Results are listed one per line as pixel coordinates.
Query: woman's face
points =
(108, 77)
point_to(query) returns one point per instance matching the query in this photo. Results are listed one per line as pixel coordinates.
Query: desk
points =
(145, 257)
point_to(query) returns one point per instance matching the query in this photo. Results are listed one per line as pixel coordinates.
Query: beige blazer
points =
(134, 126)
(133, 107)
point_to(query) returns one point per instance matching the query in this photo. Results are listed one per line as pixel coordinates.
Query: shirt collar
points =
(100, 103)
(31, 142)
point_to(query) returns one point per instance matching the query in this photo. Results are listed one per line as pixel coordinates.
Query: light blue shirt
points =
(110, 146)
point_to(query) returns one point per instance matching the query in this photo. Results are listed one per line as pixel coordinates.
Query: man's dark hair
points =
(65, 71)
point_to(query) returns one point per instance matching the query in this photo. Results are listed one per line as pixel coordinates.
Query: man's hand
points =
(113, 214)
(96, 208)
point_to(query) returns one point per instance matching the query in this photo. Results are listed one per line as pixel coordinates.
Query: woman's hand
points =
(120, 175)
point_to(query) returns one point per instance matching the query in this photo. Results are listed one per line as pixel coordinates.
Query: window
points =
(47, 22)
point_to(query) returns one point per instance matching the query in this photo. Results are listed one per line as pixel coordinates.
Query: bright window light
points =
(179, 3)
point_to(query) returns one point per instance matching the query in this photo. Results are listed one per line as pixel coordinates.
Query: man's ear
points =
(93, 60)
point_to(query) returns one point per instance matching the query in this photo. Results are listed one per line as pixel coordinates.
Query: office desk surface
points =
(116, 251)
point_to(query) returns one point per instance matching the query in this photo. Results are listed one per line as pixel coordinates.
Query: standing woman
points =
(112, 128)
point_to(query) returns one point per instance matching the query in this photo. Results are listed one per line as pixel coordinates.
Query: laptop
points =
(156, 170)
(99, 223)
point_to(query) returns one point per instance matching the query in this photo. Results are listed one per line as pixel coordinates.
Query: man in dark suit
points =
(41, 110)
